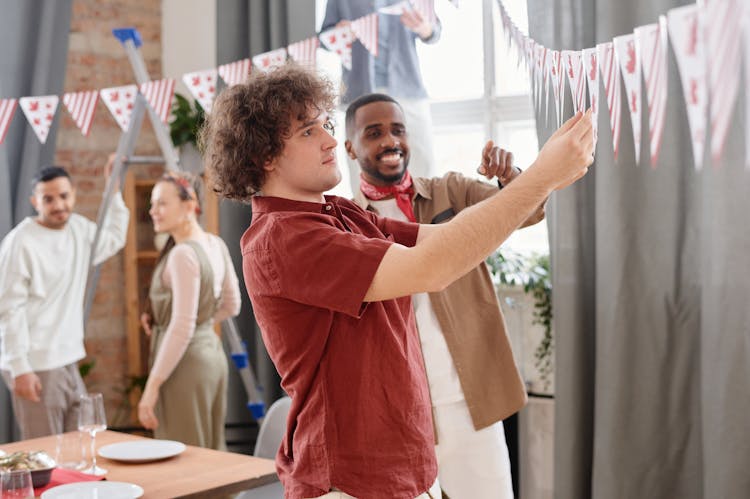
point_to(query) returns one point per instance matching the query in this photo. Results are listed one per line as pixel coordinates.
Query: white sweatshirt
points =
(42, 284)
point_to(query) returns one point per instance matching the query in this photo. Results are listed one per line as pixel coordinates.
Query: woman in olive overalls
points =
(193, 287)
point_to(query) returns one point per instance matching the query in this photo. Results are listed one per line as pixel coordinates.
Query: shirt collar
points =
(268, 204)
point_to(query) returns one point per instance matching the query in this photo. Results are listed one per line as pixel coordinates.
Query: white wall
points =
(188, 38)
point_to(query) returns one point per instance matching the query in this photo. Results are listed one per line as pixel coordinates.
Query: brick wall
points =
(97, 60)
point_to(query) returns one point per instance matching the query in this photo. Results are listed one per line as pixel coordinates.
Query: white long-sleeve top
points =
(182, 274)
(42, 284)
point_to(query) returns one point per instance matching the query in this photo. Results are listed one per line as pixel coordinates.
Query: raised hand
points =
(413, 20)
(497, 162)
(568, 153)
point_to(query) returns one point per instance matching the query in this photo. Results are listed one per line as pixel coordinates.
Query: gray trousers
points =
(58, 410)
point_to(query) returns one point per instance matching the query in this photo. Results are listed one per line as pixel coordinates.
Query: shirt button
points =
(328, 207)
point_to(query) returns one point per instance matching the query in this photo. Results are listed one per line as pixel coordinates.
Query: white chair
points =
(271, 433)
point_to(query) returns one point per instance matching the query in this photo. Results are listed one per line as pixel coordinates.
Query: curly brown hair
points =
(250, 122)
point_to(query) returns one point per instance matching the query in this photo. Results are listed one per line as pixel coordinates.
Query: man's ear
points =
(269, 165)
(32, 200)
(349, 149)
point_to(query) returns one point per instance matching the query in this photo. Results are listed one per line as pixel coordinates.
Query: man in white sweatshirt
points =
(44, 263)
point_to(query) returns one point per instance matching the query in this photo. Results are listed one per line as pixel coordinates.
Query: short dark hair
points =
(250, 122)
(363, 101)
(48, 173)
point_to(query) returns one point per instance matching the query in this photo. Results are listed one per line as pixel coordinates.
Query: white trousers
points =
(471, 464)
(433, 493)
(419, 133)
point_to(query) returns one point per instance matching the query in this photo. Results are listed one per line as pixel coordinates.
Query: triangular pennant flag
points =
(396, 9)
(7, 109)
(591, 68)
(158, 94)
(723, 34)
(304, 52)
(40, 111)
(574, 71)
(366, 30)
(652, 42)
(81, 106)
(120, 101)
(339, 40)
(688, 44)
(202, 86)
(626, 52)
(611, 78)
(269, 60)
(554, 78)
(540, 54)
(235, 72)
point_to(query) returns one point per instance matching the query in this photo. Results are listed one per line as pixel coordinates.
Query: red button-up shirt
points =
(360, 417)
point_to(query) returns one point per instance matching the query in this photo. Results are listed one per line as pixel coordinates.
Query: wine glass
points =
(16, 485)
(91, 419)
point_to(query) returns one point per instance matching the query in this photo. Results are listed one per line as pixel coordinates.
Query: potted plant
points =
(187, 119)
(511, 271)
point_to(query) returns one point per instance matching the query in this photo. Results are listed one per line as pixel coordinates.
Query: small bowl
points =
(41, 477)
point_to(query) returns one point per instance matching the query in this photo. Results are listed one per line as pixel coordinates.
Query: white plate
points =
(142, 451)
(94, 490)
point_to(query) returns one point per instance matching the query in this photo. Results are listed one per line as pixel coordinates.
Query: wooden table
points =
(197, 472)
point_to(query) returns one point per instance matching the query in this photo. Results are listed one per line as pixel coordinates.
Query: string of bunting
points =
(40, 110)
(707, 40)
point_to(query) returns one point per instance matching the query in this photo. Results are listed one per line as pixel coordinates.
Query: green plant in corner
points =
(533, 273)
(187, 118)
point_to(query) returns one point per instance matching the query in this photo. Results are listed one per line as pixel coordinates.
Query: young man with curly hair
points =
(330, 283)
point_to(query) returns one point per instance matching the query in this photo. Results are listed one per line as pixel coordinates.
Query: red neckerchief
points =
(402, 191)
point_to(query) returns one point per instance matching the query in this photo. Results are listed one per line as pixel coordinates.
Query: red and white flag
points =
(269, 60)
(202, 86)
(158, 94)
(723, 35)
(81, 106)
(626, 53)
(235, 72)
(7, 109)
(574, 71)
(40, 111)
(591, 68)
(366, 30)
(339, 40)
(305, 51)
(652, 42)
(610, 71)
(541, 76)
(120, 102)
(688, 44)
(555, 65)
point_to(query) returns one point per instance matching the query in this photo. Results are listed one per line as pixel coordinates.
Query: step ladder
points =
(131, 41)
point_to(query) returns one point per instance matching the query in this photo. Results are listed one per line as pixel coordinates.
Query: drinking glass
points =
(69, 451)
(16, 485)
(91, 419)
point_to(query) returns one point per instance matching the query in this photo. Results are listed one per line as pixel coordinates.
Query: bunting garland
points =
(305, 52)
(7, 109)
(40, 111)
(120, 101)
(202, 86)
(591, 68)
(159, 95)
(366, 29)
(269, 60)
(611, 78)
(555, 80)
(627, 56)
(651, 41)
(81, 106)
(236, 72)
(574, 71)
(688, 45)
(339, 40)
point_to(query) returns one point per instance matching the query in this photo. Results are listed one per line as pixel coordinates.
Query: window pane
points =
(446, 64)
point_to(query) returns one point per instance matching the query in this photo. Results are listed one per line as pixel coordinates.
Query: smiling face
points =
(170, 208)
(306, 167)
(379, 143)
(54, 201)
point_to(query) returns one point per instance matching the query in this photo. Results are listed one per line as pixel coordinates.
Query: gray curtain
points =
(651, 281)
(247, 28)
(33, 53)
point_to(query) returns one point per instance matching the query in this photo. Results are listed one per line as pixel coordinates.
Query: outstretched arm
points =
(454, 248)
